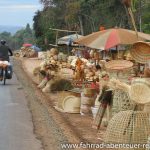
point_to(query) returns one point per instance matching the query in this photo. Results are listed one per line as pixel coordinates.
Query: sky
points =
(18, 12)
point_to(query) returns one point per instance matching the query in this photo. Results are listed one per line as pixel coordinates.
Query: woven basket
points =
(116, 65)
(140, 52)
(128, 127)
(89, 92)
(85, 100)
(121, 101)
(71, 104)
(140, 90)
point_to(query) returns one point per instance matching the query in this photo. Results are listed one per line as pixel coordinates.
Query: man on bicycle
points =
(4, 53)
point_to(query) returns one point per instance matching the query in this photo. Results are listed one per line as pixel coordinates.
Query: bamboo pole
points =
(60, 30)
(133, 21)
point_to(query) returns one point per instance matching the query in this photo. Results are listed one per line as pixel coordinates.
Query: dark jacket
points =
(4, 50)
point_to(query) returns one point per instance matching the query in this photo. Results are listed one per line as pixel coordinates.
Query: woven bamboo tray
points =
(118, 65)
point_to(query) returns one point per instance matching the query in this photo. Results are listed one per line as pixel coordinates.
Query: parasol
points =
(109, 38)
(27, 45)
(69, 39)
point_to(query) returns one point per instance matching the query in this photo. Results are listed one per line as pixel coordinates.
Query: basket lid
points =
(116, 65)
(140, 52)
(140, 90)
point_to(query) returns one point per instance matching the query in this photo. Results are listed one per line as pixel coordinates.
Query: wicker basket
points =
(86, 103)
(140, 90)
(121, 101)
(116, 65)
(140, 52)
(86, 100)
(128, 127)
(89, 92)
(71, 104)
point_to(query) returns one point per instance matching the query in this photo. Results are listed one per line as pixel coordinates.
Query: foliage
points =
(87, 16)
(19, 38)
(61, 85)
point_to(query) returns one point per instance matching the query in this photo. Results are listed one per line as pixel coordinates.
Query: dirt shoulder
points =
(52, 127)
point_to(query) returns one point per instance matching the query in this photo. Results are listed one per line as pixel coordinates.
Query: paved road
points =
(16, 127)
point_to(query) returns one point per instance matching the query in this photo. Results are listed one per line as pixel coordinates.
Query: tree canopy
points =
(86, 16)
(22, 36)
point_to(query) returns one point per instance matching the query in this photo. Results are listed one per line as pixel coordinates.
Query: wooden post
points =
(56, 37)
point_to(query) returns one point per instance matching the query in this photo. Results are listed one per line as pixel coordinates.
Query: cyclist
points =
(4, 54)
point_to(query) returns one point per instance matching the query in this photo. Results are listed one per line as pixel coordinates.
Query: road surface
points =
(16, 127)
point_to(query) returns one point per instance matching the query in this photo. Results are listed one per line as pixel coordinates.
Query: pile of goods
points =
(26, 52)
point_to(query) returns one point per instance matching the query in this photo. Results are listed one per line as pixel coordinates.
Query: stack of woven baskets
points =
(132, 126)
(119, 69)
(87, 101)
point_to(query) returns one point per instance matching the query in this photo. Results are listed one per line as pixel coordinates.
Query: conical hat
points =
(140, 90)
(140, 52)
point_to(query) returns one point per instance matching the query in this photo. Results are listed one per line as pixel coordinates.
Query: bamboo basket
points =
(117, 65)
(121, 101)
(140, 52)
(140, 90)
(128, 127)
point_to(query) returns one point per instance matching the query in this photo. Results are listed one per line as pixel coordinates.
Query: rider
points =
(4, 50)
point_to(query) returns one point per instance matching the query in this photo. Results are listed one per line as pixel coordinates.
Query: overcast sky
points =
(18, 12)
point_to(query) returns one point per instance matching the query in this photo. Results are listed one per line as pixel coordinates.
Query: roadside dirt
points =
(53, 128)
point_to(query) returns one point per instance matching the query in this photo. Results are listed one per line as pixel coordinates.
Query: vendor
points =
(105, 102)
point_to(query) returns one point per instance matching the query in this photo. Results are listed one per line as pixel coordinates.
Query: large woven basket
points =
(116, 65)
(140, 90)
(140, 52)
(128, 127)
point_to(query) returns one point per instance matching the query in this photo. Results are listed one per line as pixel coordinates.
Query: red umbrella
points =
(27, 45)
(111, 37)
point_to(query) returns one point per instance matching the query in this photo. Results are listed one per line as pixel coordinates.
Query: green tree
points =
(87, 16)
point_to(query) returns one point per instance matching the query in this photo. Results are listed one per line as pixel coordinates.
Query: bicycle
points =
(3, 68)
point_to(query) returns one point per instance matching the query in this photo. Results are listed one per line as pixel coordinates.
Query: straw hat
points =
(141, 52)
(118, 65)
(71, 104)
(140, 90)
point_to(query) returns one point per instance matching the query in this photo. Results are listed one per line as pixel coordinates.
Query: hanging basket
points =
(140, 52)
